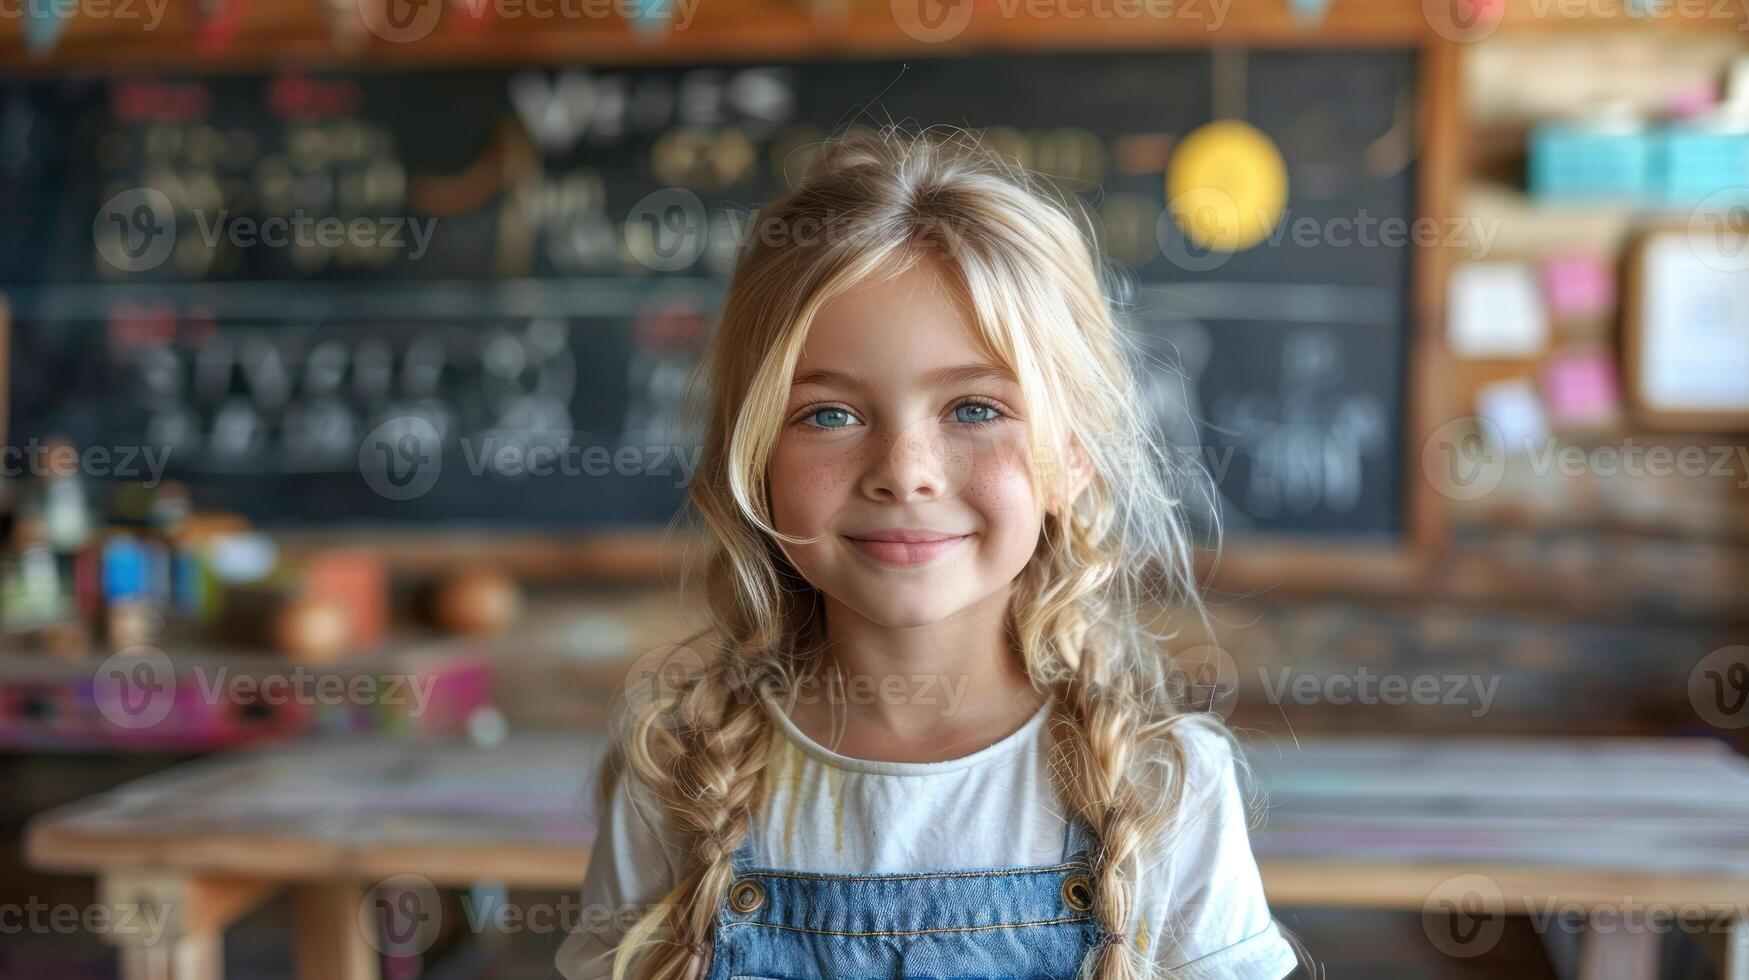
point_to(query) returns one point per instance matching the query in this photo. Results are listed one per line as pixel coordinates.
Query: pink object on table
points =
(1578, 285)
(1580, 387)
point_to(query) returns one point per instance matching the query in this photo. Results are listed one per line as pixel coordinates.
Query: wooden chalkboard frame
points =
(289, 33)
(1280, 565)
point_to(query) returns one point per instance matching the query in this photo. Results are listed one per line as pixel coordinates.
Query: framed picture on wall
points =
(1686, 326)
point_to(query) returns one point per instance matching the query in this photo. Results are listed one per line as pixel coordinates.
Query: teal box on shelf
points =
(1569, 162)
(1699, 164)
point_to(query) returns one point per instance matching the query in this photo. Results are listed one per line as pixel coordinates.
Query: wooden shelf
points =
(313, 32)
(281, 33)
(1526, 227)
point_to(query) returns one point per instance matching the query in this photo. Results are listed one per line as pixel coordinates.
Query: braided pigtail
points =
(1092, 743)
(704, 758)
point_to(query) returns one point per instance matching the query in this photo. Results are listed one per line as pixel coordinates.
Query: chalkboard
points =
(472, 295)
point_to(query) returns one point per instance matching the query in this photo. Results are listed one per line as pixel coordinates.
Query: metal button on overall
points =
(1078, 892)
(746, 896)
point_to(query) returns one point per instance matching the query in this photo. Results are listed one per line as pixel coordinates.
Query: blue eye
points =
(831, 418)
(976, 413)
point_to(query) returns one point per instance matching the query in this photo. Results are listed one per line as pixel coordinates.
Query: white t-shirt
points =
(1202, 913)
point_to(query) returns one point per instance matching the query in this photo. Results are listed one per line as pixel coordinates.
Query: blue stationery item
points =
(1699, 163)
(1570, 161)
(126, 569)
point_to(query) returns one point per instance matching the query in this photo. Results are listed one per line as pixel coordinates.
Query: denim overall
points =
(999, 922)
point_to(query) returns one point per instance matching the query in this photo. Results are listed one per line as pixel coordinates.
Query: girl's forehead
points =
(909, 351)
(920, 290)
(911, 324)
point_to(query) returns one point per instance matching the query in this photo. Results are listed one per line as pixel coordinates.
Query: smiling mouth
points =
(906, 552)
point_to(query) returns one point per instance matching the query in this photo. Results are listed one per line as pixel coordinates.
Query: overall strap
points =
(1076, 838)
(742, 860)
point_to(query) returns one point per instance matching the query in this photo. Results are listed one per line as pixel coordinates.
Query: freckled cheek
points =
(808, 485)
(999, 481)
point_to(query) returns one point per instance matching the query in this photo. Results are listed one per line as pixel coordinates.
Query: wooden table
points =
(1607, 829)
(1494, 828)
(202, 844)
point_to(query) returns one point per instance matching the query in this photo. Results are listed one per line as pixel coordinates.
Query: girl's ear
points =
(1078, 471)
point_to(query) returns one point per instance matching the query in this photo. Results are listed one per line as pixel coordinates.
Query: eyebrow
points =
(956, 374)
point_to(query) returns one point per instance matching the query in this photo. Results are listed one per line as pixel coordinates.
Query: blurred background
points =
(340, 352)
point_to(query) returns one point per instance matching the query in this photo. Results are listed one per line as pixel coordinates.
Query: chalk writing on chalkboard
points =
(259, 272)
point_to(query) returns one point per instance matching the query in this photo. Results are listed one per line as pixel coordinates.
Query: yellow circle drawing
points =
(1226, 186)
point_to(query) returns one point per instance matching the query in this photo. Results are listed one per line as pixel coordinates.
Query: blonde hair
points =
(869, 205)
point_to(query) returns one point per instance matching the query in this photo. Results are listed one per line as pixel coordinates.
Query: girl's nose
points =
(908, 464)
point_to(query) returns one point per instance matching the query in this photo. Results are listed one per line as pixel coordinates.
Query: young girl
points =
(931, 732)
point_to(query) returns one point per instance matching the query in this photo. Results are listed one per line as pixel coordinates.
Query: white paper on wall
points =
(1495, 309)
